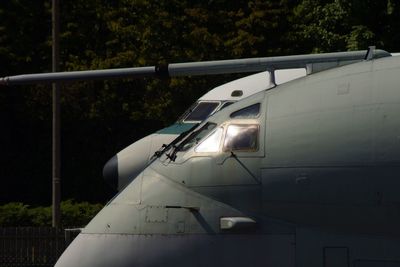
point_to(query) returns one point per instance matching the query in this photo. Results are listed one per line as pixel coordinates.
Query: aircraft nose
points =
(94, 250)
(84, 252)
(118, 250)
(110, 172)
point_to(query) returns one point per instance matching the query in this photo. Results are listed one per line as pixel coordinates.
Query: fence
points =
(31, 246)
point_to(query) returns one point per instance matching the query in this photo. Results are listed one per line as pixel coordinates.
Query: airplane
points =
(302, 174)
(129, 162)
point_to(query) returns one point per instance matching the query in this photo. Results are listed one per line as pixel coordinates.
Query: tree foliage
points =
(340, 25)
(100, 118)
(73, 214)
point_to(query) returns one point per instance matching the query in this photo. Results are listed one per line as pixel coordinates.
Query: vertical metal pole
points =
(56, 118)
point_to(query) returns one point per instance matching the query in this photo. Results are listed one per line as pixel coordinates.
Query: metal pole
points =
(56, 180)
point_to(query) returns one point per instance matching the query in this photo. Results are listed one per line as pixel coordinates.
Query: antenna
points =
(370, 53)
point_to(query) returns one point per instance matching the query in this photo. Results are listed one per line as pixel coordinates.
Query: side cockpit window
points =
(246, 113)
(241, 137)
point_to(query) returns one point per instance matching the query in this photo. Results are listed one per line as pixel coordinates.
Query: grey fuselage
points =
(320, 185)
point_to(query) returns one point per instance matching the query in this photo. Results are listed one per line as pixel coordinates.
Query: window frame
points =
(255, 149)
(232, 115)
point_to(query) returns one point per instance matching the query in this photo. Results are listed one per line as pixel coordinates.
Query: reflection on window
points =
(211, 144)
(241, 137)
(195, 137)
(247, 112)
(202, 111)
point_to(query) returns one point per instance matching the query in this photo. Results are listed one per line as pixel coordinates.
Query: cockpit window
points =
(247, 112)
(195, 137)
(201, 111)
(211, 143)
(224, 105)
(241, 137)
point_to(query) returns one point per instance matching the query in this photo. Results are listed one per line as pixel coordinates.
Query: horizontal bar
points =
(195, 68)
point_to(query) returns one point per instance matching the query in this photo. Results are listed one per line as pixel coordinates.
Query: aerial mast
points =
(56, 159)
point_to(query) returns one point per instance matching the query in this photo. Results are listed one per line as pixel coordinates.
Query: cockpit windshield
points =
(212, 142)
(200, 111)
(196, 136)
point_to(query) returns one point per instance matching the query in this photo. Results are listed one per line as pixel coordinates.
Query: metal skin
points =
(129, 162)
(322, 185)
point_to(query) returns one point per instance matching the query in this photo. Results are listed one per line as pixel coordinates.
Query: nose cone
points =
(137, 229)
(91, 250)
(110, 172)
(118, 250)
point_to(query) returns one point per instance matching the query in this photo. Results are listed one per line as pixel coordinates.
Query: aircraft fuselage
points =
(313, 182)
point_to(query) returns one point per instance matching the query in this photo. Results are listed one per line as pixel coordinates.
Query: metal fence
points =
(31, 246)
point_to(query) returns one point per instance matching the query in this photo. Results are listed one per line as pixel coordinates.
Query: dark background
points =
(101, 118)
